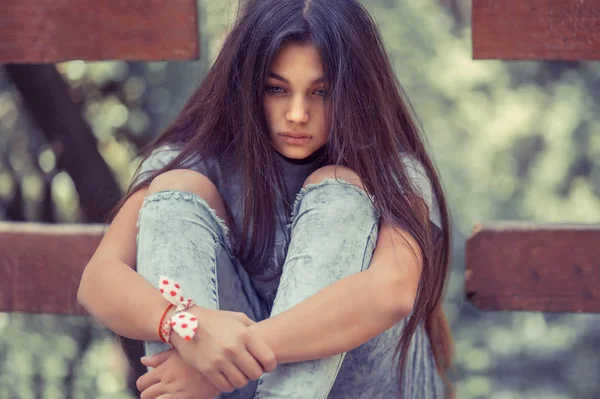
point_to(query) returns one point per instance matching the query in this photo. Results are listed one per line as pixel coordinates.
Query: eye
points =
(321, 92)
(274, 90)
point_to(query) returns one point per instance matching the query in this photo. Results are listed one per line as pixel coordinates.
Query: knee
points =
(190, 181)
(334, 172)
(182, 180)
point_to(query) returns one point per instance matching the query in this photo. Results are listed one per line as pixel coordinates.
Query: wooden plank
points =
(41, 266)
(521, 266)
(536, 29)
(48, 31)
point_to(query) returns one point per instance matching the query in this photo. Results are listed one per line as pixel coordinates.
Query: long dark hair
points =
(370, 126)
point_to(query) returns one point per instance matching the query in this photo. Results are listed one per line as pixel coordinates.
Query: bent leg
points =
(183, 235)
(333, 235)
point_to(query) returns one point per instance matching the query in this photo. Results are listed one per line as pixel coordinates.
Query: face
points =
(295, 100)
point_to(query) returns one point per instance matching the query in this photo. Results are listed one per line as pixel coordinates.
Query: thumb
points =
(157, 359)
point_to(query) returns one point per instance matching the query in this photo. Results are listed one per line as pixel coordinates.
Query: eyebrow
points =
(279, 77)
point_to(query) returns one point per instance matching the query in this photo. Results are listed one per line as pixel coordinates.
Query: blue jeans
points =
(333, 235)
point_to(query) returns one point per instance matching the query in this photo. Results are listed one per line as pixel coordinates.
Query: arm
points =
(113, 292)
(353, 310)
(112, 265)
(122, 300)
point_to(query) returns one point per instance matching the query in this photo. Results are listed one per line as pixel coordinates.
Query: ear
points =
(156, 360)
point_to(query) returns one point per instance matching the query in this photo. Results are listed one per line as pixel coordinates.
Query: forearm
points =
(121, 299)
(339, 318)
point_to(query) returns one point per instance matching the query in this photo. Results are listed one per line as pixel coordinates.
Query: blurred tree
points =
(46, 96)
(460, 12)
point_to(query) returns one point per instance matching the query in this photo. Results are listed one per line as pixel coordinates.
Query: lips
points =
(296, 135)
(295, 138)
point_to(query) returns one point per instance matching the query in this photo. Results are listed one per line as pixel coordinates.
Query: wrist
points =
(201, 314)
(261, 331)
(170, 312)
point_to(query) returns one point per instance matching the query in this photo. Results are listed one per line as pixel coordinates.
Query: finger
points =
(249, 366)
(147, 380)
(235, 376)
(156, 360)
(262, 353)
(154, 391)
(219, 380)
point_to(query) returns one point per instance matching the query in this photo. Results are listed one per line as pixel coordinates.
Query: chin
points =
(295, 153)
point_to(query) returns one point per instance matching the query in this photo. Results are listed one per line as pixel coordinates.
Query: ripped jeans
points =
(333, 235)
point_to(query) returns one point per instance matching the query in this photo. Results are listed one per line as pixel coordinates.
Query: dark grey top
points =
(295, 174)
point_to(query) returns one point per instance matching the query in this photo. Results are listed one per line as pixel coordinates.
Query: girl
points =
(294, 202)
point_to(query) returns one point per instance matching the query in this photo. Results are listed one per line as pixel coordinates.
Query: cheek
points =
(322, 121)
(269, 112)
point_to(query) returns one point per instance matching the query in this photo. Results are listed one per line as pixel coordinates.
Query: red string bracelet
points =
(160, 324)
(184, 323)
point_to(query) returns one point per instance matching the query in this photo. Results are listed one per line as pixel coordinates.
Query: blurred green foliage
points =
(518, 140)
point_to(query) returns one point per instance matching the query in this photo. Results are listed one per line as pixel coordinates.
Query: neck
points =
(304, 161)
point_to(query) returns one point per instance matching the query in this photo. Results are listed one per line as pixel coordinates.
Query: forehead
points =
(298, 60)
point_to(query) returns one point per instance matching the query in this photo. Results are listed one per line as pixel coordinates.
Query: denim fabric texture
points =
(333, 232)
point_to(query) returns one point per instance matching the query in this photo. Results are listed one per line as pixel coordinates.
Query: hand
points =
(224, 350)
(173, 377)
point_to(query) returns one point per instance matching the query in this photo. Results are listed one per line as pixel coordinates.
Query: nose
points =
(297, 111)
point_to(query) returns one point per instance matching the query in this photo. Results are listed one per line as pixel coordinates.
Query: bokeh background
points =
(512, 141)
